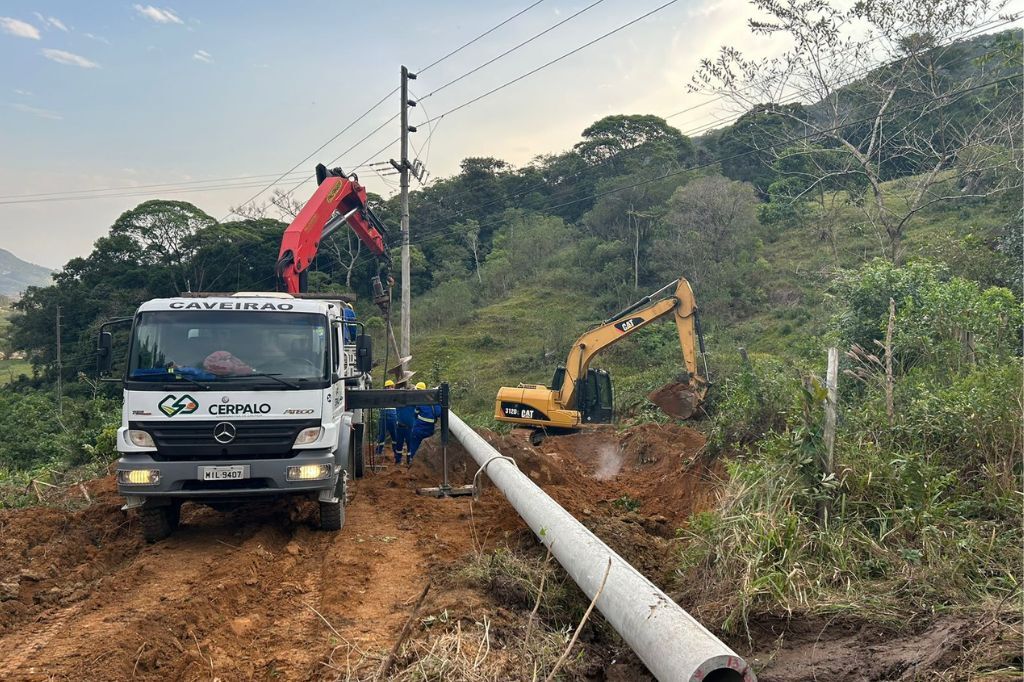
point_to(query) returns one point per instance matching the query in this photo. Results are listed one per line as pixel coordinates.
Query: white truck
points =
(232, 397)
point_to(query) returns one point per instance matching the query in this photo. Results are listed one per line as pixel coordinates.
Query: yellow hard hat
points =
(389, 383)
(421, 386)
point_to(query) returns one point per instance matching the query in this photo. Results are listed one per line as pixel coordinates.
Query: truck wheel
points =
(174, 515)
(332, 515)
(156, 523)
(357, 451)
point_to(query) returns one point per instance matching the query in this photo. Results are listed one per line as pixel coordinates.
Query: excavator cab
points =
(593, 395)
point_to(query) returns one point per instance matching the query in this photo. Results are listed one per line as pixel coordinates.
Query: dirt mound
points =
(811, 649)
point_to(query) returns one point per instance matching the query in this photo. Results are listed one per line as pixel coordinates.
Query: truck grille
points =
(254, 439)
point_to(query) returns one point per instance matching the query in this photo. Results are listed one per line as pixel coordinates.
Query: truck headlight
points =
(309, 472)
(141, 439)
(138, 476)
(307, 436)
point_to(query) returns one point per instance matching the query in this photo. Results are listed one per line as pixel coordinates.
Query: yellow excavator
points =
(579, 395)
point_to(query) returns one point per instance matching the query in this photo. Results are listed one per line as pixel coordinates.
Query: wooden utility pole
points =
(60, 370)
(404, 167)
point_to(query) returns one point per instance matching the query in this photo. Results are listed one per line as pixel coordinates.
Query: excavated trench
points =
(258, 593)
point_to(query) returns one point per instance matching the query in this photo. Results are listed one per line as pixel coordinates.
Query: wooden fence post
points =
(827, 464)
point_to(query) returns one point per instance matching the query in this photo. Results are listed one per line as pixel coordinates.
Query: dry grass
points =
(469, 653)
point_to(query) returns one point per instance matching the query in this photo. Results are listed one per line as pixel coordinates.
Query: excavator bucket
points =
(677, 399)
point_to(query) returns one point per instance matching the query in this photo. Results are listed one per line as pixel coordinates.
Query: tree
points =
(910, 118)
(712, 235)
(745, 147)
(630, 215)
(656, 140)
(162, 230)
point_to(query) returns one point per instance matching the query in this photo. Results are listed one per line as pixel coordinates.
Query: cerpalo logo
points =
(173, 405)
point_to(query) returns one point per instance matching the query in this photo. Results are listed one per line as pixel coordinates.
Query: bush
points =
(751, 401)
(32, 433)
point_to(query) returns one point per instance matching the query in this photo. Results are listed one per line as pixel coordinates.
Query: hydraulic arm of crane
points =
(680, 304)
(339, 199)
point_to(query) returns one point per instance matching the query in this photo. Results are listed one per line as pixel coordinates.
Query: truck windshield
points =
(220, 345)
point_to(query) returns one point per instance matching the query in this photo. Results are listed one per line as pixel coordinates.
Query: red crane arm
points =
(301, 239)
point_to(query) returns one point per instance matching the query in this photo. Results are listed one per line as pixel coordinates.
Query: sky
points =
(121, 95)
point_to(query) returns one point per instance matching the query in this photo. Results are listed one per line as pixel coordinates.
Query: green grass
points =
(521, 338)
(12, 369)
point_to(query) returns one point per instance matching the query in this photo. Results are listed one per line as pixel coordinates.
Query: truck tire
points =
(174, 515)
(357, 451)
(156, 523)
(332, 515)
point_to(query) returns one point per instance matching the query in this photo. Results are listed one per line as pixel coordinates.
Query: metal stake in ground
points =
(445, 489)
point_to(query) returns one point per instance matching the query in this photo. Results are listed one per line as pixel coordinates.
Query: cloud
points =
(203, 56)
(41, 113)
(97, 38)
(19, 28)
(52, 21)
(160, 16)
(23, 93)
(69, 58)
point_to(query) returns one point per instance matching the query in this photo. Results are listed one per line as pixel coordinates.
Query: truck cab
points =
(235, 397)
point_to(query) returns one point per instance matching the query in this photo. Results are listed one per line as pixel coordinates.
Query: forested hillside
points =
(883, 217)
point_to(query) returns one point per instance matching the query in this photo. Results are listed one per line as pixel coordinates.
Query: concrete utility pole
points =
(404, 167)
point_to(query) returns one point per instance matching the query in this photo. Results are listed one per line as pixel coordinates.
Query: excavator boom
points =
(339, 199)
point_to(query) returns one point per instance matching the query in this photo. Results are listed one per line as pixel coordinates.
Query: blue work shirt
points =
(426, 417)
(406, 415)
(350, 329)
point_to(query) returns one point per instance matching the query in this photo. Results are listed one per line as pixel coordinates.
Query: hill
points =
(16, 275)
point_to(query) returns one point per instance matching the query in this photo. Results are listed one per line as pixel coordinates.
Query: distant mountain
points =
(17, 275)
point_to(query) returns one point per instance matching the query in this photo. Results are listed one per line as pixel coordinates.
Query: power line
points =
(377, 104)
(708, 125)
(312, 153)
(511, 49)
(120, 188)
(552, 62)
(485, 33)
(953, 97)
(518, 78)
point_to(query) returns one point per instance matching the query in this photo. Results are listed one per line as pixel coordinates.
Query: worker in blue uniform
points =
(351, 330)
(389, 427)
(426, 418)
(406, 417)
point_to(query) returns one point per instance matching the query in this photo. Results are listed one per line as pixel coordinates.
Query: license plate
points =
(232, 473)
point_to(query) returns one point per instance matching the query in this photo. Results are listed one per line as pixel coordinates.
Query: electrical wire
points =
(518, 78)
(953, 97)
(553, 61)
(704, 127)
(511, 50)
(485, 33)
(372, 108)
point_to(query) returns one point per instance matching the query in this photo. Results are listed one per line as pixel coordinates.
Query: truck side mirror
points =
(104, 352)
(364, 353)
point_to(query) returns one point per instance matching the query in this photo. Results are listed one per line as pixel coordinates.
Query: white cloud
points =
(97, 38)
(52, 21)
(41, 113)
(160, 16)
(69, 58)
(19, 28)
(23, 93)
(203, 56)
(56, 23)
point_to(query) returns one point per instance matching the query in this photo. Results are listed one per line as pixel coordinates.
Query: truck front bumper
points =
(267, 477)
